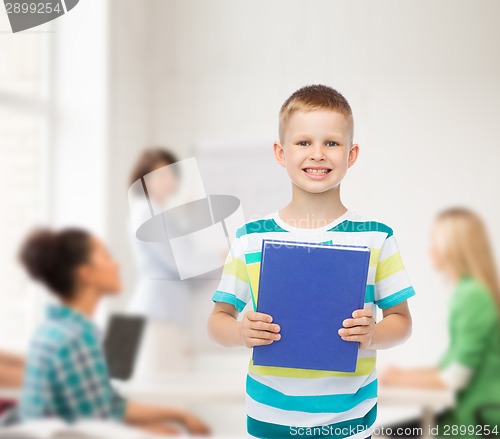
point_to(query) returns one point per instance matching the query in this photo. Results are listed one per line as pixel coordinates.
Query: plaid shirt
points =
(66, 374)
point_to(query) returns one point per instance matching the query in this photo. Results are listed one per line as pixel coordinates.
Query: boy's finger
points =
(347, 323)
(365, 312)
(263, 334)
(261, 326)
(357, 330)
(259, 341)
(259, 316)
(353, 338)
(362, 321)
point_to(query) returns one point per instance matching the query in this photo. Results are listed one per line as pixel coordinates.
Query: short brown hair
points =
(313, 98)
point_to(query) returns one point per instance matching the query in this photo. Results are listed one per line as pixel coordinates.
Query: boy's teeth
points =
(317, 171)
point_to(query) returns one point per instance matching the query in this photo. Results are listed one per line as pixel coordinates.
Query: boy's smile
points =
(317, 149)
(317, 172)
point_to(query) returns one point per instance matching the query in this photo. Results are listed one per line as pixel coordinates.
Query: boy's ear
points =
(279, 153)
(353, 155)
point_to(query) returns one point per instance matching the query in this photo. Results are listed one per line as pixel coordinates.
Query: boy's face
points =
(316, 140)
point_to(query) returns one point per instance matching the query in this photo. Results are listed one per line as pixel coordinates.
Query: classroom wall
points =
(422, 82)
(208, 78)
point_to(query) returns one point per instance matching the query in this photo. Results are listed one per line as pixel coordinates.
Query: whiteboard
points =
(246, 169)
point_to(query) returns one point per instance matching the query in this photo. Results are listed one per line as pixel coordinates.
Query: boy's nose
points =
(317, 152)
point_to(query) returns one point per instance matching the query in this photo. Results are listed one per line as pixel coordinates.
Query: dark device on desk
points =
(121, 344)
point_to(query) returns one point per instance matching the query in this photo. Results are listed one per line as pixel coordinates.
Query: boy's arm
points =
(223, 327)
(393, 329)
(255, 329)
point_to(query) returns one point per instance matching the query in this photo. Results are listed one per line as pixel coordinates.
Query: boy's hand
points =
(360, 328)
(256, 329)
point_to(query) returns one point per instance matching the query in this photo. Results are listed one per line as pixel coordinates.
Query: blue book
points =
(310, 289)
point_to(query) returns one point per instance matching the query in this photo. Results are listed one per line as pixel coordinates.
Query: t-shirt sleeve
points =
(474, 319)
(392, 283)
(234, 286)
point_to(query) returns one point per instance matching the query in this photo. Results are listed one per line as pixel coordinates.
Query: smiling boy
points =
(316, 148)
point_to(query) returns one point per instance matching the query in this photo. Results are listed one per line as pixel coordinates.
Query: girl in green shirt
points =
(471, 365)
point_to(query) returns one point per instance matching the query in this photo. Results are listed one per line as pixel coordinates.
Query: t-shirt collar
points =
(276, 217)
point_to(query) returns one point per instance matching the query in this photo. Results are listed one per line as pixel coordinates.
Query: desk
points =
(428, 400)
(216, 398)
(207, 389)
(186, 388)
(204, 388)
(9, 393)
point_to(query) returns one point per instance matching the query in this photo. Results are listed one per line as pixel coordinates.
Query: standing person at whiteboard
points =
(160, 295)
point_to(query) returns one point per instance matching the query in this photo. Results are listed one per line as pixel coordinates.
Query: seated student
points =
(460, 249)
(66, 374)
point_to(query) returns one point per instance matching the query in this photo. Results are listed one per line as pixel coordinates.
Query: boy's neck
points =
(309, 210)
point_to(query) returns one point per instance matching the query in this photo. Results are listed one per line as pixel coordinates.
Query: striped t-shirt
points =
(290, 402)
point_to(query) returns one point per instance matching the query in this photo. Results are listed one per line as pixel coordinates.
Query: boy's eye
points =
(306, 143)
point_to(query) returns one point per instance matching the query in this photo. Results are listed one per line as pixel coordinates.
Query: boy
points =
(316, 148)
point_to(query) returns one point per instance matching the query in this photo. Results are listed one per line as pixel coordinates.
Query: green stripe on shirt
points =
(338, 430)
(309, 404)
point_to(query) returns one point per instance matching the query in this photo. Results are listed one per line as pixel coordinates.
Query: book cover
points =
(309, 289)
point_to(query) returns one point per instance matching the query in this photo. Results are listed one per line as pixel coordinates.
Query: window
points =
(24, 130)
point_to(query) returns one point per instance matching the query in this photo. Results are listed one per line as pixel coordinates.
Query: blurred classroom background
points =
(81, 97)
